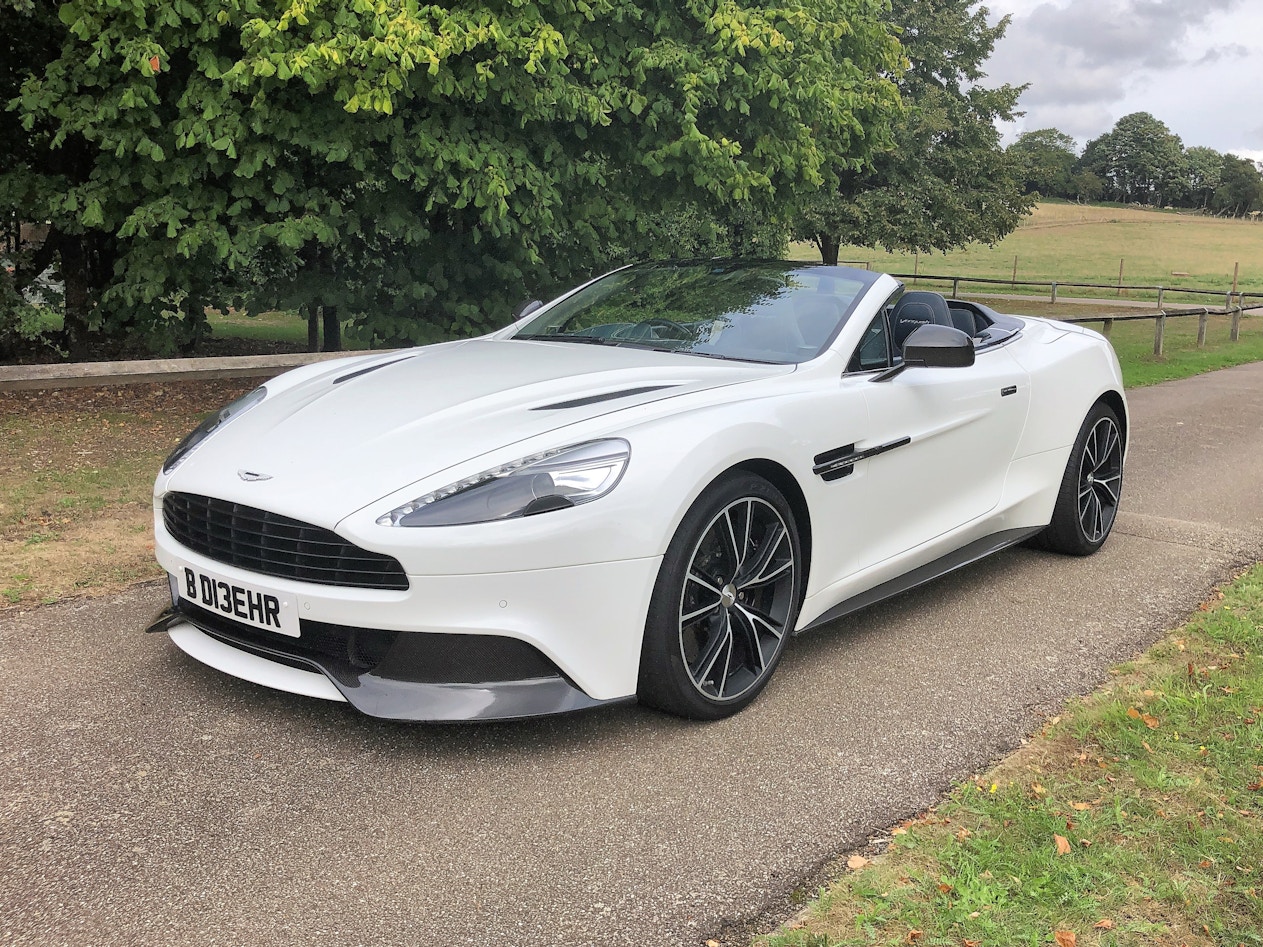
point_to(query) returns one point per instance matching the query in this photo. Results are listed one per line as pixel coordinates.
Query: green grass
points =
(1133, 340)
(1135, 818)
(273, 326)
(1084, 244)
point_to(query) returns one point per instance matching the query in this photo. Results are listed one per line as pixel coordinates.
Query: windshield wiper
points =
(585, 339)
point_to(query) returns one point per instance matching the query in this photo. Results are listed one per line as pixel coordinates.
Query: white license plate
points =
(251, 606)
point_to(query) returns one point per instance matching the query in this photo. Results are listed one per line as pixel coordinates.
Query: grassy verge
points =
(76, 477)
(1136, 817)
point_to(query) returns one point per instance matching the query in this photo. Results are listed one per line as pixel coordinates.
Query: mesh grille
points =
(269, 544)
(347, 652)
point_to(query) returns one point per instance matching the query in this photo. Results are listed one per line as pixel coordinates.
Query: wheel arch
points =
(1115, 401)
(784, 481)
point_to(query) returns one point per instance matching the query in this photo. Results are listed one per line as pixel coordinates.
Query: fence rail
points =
(1107, 320)
(1053, 286)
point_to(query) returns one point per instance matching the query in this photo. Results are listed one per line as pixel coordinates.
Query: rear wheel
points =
(1090, 488)
(725, 601)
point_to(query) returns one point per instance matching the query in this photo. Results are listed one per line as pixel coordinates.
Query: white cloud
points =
(1195, 64)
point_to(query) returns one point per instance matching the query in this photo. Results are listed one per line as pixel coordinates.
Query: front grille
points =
(270, 544)
(414, 657)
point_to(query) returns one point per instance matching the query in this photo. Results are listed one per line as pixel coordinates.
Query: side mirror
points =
(526, 307)
(933, 346)
(936, 346)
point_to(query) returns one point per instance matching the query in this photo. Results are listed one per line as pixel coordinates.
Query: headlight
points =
(210, 426)
(553, 480)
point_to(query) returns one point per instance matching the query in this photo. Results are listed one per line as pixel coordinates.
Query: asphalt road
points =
(147, 799)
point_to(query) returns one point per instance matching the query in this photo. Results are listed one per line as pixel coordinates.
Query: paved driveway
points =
(145, 799)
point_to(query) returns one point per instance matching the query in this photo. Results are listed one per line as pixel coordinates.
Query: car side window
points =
(873, 352)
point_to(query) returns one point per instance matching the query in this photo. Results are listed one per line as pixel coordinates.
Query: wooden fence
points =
(1235, 303)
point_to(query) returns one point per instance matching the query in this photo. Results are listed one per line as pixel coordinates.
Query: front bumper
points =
(462, 647)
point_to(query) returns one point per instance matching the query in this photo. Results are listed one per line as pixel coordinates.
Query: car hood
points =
(341, 439)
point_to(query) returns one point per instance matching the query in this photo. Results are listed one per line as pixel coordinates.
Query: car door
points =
(941, 440)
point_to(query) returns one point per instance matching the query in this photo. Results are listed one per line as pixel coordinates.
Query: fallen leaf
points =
(915, 935)
(856, 862)
(1204, 863)
(899, 831)
(944, 888)
(1063, 844)
(713, 943)
(1104, 924)
(1080, 806)
(1150, 721)
(1065, 938)
(1133, 713)
(963, 834)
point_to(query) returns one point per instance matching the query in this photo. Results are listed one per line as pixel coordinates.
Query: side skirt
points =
(958, 559)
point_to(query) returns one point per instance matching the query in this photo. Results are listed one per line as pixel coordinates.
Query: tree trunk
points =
(829, 247)
(333, 329)
(74, 274)
(313, 327)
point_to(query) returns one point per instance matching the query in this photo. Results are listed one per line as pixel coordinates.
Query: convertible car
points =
(640, 490)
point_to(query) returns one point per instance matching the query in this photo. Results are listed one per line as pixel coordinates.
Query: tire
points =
(725, 601)
(1091, 487)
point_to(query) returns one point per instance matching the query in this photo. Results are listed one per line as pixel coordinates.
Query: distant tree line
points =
(1140, 160)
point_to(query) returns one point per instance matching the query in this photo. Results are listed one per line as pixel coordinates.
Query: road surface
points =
(146, 799)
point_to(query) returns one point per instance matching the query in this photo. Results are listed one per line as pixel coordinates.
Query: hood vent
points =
(371, 368)
(597, 399)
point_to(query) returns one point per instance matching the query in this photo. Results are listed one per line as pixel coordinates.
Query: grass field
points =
(1084, 244)
(1135, 818)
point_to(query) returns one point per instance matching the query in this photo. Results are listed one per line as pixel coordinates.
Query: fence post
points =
(1053, 298)
(955, 287)
(1236, 324)
(1120, 276)
(1159, 332)
(1161, 293)
(1107, 327)
(1201, 328)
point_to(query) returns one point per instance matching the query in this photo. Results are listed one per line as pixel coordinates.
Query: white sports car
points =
(642, 489)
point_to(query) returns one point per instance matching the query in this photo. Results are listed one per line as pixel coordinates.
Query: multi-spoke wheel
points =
(1090, 488)
(724, 603)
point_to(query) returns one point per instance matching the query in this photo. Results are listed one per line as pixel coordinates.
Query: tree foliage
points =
(1140, 160)
(946, 181)
(1047, 159)
(420, 166)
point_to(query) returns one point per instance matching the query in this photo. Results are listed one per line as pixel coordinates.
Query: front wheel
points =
(725, 601)
(1091, 487)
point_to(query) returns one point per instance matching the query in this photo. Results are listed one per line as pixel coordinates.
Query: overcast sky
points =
(1195, 64)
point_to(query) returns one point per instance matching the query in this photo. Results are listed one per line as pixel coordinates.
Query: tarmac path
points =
(146, 799)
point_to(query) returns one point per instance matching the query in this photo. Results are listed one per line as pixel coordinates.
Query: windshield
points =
(762, 312)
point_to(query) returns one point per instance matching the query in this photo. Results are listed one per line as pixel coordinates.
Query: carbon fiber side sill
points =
(965, 555)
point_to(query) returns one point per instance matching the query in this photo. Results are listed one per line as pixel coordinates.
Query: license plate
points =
(251, 606)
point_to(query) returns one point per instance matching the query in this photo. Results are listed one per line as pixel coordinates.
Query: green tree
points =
(418, 166)
(1203, 170)
(946, 181)
(1140, 160)
(34, 178)
(1047, 158)
(1240, 190)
